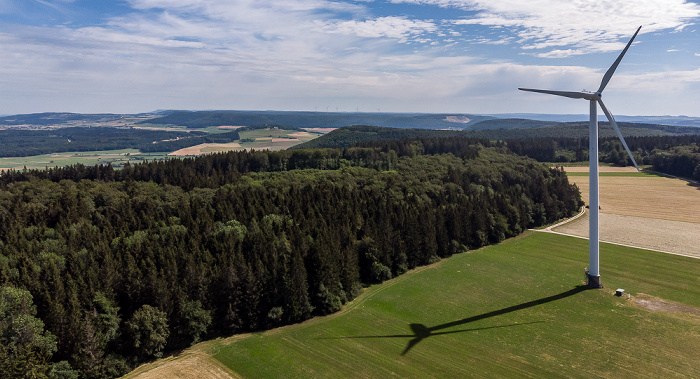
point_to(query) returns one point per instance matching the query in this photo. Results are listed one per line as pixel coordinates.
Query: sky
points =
(427, 56)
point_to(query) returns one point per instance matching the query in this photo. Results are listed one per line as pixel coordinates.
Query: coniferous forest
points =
(101, 269)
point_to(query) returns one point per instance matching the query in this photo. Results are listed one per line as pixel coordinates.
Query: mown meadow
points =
(516, 309)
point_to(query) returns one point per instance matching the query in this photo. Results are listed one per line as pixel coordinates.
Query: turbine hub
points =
(592, 95)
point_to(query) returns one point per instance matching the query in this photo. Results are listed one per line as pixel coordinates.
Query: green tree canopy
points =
(148, 331)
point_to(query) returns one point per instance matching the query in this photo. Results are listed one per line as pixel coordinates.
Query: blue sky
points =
(462, 56)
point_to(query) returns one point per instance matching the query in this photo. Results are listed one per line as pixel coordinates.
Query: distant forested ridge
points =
(23, 143)
(500, 129)
(52, 118)
(184, 142)
(203, 119)
(675, 155)
(357, 134)
(668, 149)
(523, 128)
(109, 268)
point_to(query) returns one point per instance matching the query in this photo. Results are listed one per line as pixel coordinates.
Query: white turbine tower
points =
(595, 98)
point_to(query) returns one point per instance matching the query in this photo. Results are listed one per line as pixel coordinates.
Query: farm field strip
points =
(115, 157)
(206, 148)
(257, 139)
(648, 197)
(676, 237)
(641, 209)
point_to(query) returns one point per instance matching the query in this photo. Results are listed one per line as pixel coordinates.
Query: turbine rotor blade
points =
(573, 95)
(617, 130)
(611, 70)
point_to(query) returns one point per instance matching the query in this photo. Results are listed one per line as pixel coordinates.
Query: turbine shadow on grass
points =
(421, 332)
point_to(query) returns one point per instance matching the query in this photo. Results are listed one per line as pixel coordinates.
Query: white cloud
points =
(586, 26)
(295, 54)
(392, 27)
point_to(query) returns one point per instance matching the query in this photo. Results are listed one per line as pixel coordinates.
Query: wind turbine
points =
(595, 98)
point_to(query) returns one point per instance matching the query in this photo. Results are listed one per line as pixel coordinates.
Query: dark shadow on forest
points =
(421, 332)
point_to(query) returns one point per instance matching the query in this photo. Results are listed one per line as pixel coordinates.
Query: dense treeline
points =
(23, 143)
(678, 160)
(108, 268)
(676, 155)
(508, 129)
(217, 169)
(357, 134)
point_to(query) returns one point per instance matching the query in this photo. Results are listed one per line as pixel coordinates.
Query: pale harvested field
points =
(650, 212)
(193, 364)
(206, 148)
(321, 130)
(300, 134)
(651, 197)
(159, 128)
(601, 169)
(230, 127)
(651, 233)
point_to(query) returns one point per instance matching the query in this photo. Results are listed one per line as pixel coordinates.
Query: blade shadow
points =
(421, 332)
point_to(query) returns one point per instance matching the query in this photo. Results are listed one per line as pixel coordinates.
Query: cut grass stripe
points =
(507, 310)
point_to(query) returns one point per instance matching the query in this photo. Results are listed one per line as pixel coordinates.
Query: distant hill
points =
(509, 129)
(516, 128)
(512, 123)
(51, 118)
(23, 143)
(351, 135)
(449, 121)
(663, 120)
(202, 119)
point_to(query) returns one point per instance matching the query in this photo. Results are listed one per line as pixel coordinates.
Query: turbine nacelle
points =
(595, 99)
(597, 96)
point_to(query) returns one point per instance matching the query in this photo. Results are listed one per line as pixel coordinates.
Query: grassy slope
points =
(506, 310)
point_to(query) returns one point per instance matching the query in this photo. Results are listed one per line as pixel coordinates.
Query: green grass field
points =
(89, 158)
(512, 310)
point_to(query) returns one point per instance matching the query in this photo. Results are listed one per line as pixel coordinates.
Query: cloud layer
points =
(307, 54)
